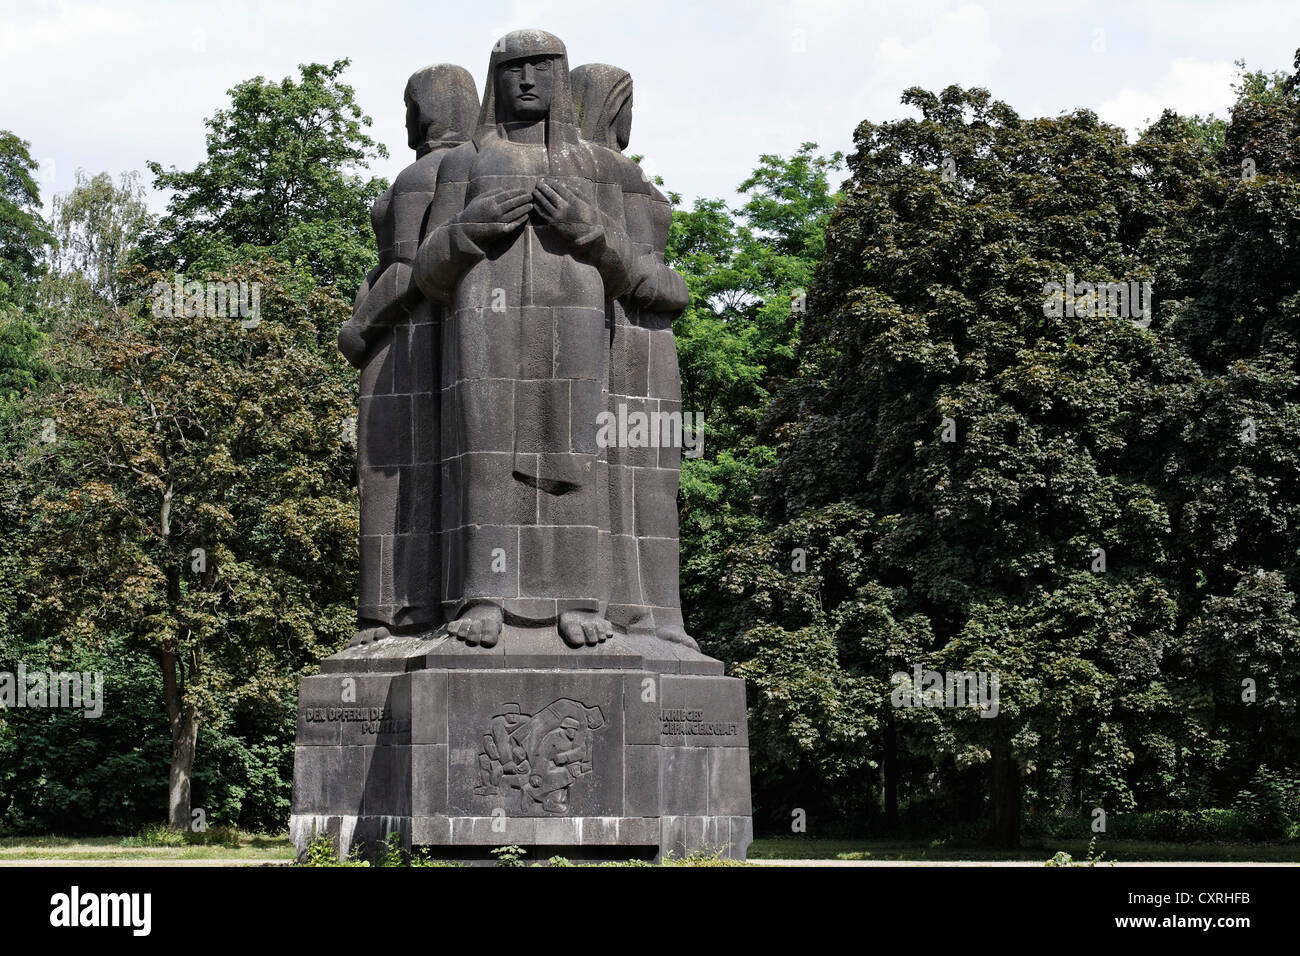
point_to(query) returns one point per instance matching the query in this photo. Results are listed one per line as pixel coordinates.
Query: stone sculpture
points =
(524, 253)
(521, 671)
(643, 376)
(392, 339)
(538, 756)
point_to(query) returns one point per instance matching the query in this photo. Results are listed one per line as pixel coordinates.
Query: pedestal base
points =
(634, 748)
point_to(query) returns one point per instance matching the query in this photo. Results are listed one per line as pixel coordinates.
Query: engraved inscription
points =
(691, 723)
(373, 720)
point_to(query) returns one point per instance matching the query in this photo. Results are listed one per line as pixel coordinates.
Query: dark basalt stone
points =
(520, 672)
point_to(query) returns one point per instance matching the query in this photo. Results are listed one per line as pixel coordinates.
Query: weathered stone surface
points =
(685, 780)
(391, 339)
(521, 296)
(428, 779)
(642, 792)
(544, 757)
(535, 743)
(727, 767)
(521, 672)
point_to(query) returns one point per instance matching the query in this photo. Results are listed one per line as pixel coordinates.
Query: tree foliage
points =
(195, 498)
(283, 178)
(23, 233)
(1088, 505)
(910, 462)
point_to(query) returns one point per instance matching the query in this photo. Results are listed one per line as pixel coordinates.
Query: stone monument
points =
(521, 673)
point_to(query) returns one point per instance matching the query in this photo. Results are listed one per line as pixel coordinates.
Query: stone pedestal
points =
(633, 748)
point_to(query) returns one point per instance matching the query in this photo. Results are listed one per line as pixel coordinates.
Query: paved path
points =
(985, 863)
(93, 861)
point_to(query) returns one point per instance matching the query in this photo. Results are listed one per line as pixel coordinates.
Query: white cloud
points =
(959, 47)
(1189, 85)
(108, 86)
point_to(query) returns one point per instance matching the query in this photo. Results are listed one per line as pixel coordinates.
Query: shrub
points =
(509, 855)
(1274, 800)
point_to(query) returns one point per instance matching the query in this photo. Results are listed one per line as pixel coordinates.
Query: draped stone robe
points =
(392, 338)
(397, 458)
(644, 377)
(524, 365)
(642, 540)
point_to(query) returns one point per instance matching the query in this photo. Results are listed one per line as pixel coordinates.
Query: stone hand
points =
(567, 212)
(496, 214)
(351, 344)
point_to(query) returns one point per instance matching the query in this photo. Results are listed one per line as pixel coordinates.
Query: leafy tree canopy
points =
(283, 177)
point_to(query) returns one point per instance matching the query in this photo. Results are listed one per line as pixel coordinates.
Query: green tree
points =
(24, 237)
(1236, 473)
(748, 278)
(282, 178)
(196, 499)
(1002, 450)
(23, 234)
(96, 228)
(22, 368)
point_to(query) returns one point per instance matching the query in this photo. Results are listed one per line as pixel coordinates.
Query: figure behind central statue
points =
(523, 257)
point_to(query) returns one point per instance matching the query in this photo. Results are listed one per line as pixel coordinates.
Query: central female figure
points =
(519, 251)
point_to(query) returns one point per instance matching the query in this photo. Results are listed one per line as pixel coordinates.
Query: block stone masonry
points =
(635, 750)
(520, 673)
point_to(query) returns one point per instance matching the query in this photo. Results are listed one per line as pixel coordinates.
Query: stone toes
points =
(571, 631)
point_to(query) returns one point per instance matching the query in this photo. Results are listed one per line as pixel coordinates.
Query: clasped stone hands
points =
(497, 214)
(567, 213)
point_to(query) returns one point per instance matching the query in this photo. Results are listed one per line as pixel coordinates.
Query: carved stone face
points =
(525, 88)
(623, 125)
(414, 124)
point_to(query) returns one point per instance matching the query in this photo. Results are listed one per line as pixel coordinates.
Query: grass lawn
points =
(263, 849)
(252, 848)
(805, 848)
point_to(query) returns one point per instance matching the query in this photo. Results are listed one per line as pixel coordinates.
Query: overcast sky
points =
(110, 85)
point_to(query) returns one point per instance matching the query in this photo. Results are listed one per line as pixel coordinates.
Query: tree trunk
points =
(178, 778)
(185, 730)
(891, 776)
(181, 716)
(1004, 832)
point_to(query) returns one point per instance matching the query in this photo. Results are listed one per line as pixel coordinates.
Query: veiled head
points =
(602, 95)
(528, 79)
(441, 104)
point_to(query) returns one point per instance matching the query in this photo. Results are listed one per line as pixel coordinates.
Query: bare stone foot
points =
(677, 635)
(368, 635)
(584, 627)
(480, 624)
